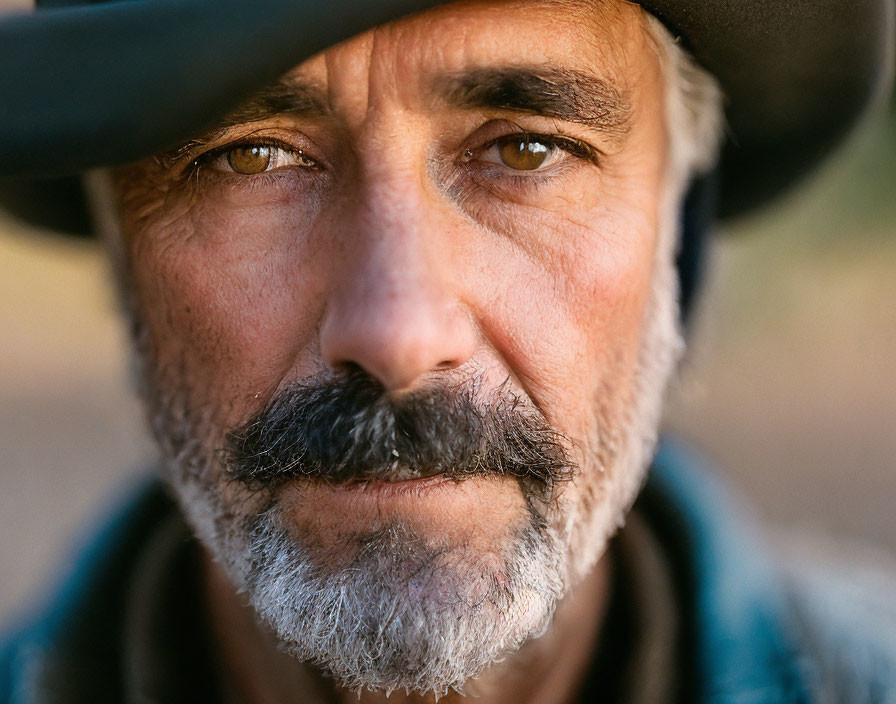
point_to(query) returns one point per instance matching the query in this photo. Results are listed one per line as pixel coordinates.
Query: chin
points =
(393, 606)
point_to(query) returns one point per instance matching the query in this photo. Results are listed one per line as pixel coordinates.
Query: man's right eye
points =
(255, 158)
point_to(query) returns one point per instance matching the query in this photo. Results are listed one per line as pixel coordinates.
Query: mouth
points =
(400, 471)
(440, 508)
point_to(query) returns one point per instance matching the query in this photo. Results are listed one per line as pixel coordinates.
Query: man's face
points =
(403, 332)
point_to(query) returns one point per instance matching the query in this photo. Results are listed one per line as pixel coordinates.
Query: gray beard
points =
(404, 612)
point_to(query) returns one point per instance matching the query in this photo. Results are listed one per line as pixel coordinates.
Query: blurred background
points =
(789, 388)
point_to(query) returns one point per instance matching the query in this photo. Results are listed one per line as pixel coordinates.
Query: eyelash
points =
(570, 145)
(204, 160)
(576, 148)
(498, 178)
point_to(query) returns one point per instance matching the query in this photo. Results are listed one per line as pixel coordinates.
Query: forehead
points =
(407, 59)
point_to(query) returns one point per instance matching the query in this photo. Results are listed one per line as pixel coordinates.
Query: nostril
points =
(395, 335)
(348, 368)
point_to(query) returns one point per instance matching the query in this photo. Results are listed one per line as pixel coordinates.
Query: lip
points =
(433, 506)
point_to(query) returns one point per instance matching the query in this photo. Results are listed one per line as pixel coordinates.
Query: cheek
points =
(567, 319)
(605, 280)
(228, 295)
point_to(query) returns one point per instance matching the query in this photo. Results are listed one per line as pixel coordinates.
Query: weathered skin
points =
(401, 244)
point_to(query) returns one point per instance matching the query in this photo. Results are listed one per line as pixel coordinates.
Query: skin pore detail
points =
(434, 209)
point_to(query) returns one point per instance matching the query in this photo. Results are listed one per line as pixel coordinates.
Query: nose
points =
(394, 309)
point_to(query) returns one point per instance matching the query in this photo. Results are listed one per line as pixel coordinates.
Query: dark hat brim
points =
(102, 84)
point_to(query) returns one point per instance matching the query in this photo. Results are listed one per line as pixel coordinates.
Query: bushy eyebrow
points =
(562, 93)
(287, 96)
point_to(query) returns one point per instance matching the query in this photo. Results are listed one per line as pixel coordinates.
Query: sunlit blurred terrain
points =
(791, 382)
(790, 386)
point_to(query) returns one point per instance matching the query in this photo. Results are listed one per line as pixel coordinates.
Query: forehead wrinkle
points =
(566, 94)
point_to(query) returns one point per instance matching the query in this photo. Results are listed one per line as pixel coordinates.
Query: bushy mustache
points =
(349, 429)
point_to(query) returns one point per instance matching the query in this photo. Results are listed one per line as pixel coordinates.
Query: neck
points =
(547, 670)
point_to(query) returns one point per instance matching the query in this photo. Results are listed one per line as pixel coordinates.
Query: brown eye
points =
(523, 154)
(250, 159)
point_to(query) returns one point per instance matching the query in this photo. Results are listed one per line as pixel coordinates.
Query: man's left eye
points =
(525, 152)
